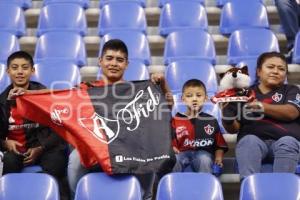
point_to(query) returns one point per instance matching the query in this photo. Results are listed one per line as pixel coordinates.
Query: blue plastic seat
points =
(137, 44)
(113, 18)
(95, 186)
(265, 186)
(186, 44)
(61, 45)
(4, 79)
(177, 73)
(221, 3)
(83, 3)
(32, 169)
(25, 4)
(162, 3)
(28, 186)
(235, 16)
(187, 186)
(179, 15)
(105, 2)
(296, 54)
(245, 44)
(12, 19)
(136, 71)
(62, 17)
(9, 43)
(57, 74)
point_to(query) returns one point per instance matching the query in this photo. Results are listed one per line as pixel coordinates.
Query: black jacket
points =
(40, 136)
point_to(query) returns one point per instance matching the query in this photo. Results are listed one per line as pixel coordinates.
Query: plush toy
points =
(234, 87)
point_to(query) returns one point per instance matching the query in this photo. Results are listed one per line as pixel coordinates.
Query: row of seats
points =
(173, 186)
(174, 16)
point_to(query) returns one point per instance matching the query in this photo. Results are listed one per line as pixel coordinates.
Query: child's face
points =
(20, 71)
(194, 97)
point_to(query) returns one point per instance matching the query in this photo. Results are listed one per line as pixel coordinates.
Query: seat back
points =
(191, 43)
(112, 17)
(61, 45)
(57, 74)
(62, 17)
(105, 2)
(94, 186)
(136, 42)
(177, 73)
(186, 186)
(296, 54)
(182, 15)
(265, 186)
(235, 15)
(12, 19)
(4, 78)
(9, 43)
(245, 44)
(28, 186)
(161, 3)
(83, 3)
(25, 4)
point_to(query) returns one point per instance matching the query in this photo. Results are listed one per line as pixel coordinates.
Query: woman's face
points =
(273, 72)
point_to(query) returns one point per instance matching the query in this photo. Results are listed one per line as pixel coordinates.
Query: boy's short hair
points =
(20, 54)
(193, 83)
(116, 45)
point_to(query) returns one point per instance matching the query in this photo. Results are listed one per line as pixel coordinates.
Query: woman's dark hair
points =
(264, 56)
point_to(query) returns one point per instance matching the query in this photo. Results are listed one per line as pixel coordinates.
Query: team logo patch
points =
(105, 130)
(209, 129)
(277, 97)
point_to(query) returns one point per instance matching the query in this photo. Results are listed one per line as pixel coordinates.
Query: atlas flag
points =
(124, 127)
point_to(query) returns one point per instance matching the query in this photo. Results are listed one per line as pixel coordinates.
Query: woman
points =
(274, 132)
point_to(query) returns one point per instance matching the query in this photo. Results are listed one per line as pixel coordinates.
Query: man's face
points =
(113, 64)
(20, 71)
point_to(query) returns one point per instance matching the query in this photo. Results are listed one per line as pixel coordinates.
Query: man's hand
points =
(13, 93)
(32, 155)
(11, 145)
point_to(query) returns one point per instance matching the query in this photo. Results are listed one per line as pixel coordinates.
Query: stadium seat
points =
(61, 45)
(179, 15)
(191, 43)
(113, 18)
(9, 43)
(94, 186)
(12, 19)
(265, 186)
(25, 4)
(161, 3)
(221, 3)
(32, 169)
(296, 54)
(177, 73)
(236, 16)
(83, 3)
(137, 44)
(57, 74)
(245, 44)
(4, 78)
(186, 186)
(28, 186)
(62, 17)
(105, 2)
(136, 71)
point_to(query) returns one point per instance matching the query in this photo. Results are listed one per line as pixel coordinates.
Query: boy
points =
(197, 137)
(25, 142)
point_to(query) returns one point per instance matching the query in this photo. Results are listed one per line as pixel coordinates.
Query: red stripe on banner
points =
(62, 111)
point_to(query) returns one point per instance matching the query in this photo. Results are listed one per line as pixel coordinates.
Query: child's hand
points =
(176, 150)
(219, 161)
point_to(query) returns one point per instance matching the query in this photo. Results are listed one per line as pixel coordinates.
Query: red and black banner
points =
(124, 127)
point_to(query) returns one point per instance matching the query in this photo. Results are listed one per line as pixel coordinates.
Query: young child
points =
(197, 138)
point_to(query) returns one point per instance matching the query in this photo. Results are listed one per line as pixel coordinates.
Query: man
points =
(25, 142)
(113, 62)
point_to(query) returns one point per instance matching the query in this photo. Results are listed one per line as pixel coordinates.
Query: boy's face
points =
(194, 97)
(113, 64)
(20, 71)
